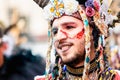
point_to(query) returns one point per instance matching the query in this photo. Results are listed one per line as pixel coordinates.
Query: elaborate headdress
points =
(99, 13)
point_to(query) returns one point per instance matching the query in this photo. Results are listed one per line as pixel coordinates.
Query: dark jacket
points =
(22, 66)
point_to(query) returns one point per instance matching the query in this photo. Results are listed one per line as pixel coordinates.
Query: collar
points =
(79, 70)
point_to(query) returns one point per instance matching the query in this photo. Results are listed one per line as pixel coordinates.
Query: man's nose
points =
(61, 35)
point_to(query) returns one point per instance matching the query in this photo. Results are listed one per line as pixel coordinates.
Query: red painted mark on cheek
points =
(80, 34)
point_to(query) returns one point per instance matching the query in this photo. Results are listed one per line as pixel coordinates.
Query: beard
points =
(78, 58)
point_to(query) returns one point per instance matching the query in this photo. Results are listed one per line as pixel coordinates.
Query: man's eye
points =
(54, 31)
(69, 27)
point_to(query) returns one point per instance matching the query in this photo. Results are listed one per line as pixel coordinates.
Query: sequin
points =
(48, 33)
(107, 73)
(86, 22)
(87, 59)
(64, 68)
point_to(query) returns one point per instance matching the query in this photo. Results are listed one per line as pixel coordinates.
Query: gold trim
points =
(80, 70)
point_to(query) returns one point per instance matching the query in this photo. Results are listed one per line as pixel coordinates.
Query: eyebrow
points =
(68, 23)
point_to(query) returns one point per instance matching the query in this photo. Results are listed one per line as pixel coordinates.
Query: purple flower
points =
(90, 11)
(89, 3)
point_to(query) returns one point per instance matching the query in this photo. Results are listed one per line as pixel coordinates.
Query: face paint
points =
(65, 33)
(78, 35)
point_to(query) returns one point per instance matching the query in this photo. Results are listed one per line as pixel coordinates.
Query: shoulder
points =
(39, 77)
(110, 74)
(42, 77)
(117, 75)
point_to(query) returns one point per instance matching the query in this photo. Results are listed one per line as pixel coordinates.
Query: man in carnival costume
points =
(77, 28)
(22, 65)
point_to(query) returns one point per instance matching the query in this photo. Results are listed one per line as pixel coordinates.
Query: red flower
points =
(90, 11)
(96, 5)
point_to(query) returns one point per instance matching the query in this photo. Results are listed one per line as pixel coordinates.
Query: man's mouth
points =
(64, 46)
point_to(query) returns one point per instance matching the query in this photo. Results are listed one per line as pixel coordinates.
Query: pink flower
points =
(96, 5)
(90, 11)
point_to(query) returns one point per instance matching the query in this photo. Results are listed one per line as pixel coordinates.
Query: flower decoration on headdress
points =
(70, 6)
(91, 7)
(89, 3)
(48, 14)
(57, 8)
(90, 11)
(96, 5)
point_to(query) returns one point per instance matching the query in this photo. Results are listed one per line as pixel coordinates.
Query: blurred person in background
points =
(15, 36)
(115, 49)
(16, 62)
(11, 35)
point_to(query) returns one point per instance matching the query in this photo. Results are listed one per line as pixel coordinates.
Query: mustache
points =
(60, 44)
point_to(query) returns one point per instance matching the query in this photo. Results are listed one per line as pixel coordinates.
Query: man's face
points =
(68, 34)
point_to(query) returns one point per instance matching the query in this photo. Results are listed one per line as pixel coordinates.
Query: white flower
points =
(63, 6)
(70, 6)
(47, 12)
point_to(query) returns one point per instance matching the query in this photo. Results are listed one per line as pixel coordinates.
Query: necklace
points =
(79, 71)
